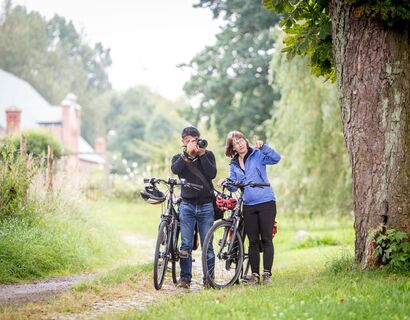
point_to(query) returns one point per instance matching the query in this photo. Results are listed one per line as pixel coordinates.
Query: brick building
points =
(22, 107)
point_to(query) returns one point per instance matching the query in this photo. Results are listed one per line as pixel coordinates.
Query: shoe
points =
(266, 277)
(254, 279)
(184, 283)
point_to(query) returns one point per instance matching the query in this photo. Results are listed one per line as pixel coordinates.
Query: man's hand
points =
(191, 148)
(200, 151)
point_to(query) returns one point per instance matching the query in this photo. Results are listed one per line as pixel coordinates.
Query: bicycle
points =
(167, 245)
(227, 238)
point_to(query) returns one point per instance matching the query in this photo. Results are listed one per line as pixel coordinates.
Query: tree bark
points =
(373, 78)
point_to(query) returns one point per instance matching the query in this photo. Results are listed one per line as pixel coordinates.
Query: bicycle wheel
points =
(175, 253)
(161, 255)
(228, 262)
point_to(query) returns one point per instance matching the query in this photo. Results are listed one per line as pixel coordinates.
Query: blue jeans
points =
(189, 216)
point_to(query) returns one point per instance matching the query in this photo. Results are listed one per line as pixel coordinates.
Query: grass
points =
(65, 239)
(127, 217)
(300, 293)
(318, 281)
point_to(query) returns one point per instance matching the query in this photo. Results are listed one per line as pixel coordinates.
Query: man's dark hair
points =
(190, 131)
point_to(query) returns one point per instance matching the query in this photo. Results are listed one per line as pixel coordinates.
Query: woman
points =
(259, 206)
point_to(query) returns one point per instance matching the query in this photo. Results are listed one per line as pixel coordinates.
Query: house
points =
(22, 107)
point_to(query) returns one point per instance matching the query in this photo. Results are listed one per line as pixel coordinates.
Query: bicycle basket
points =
(152, 195)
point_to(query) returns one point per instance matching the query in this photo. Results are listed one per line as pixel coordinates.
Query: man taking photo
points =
(196, 165)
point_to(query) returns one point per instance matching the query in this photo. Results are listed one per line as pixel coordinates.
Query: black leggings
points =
(259, 221)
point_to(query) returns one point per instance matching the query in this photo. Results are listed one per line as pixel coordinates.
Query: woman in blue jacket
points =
(259, 206)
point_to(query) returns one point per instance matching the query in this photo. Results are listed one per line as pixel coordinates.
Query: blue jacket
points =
(255, 170)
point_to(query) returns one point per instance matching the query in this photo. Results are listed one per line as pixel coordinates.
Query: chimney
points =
(71, 122)
(13, 120)
(100, 146)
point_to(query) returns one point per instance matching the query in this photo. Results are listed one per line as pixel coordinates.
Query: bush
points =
(37, 143)
(391, 247)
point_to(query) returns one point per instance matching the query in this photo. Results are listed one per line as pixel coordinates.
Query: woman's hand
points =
(258, 144)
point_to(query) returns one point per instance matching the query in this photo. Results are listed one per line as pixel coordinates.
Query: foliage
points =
(314, 173)
(391, 12)
(392, 247)
(309, 32)
(309, 29)
(230, 77)
(37, 143)
(138, 115)
(54, 58)
(16, 175)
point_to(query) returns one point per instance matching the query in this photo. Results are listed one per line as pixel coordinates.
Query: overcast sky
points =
(147, 38)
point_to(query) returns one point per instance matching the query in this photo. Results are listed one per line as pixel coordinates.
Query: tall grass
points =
(42, 235)
(64, 240)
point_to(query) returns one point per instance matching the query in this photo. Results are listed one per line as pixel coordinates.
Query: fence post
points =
(23, 146)
(49, 177)
(23, 154)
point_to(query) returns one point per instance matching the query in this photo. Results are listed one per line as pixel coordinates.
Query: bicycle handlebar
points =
(174, 182)
(251, 184)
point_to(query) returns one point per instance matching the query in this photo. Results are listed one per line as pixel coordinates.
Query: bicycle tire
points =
(227, 265)
(175, 253)
(161, 254)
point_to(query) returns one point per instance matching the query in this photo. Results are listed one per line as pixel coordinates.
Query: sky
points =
(147, 38)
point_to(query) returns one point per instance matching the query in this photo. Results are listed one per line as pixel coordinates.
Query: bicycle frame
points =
(168, 232)
(230, 243)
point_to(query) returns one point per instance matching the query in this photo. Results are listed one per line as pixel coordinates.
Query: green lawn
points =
(316, 282)
(126, 217)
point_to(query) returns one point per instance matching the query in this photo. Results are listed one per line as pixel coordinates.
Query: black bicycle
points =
(227, 238)
(168, 240)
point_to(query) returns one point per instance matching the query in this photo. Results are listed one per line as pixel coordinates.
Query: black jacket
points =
(205, 164)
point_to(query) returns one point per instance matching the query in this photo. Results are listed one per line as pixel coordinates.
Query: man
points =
(196, 165)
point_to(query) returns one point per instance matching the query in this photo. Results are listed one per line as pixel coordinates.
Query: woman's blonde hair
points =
(229, 151)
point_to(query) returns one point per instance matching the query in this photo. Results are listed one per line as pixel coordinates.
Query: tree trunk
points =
(373, 78)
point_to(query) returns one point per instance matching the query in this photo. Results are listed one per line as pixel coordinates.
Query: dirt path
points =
(39, 290)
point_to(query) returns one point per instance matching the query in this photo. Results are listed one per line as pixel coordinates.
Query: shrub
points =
(37, 143)
(391, 247)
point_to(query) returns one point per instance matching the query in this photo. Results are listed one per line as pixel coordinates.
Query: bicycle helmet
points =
(152, 195)
(225, 203)
(231, 203)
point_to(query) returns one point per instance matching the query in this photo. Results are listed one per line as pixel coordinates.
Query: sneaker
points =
(184, 283)
(266, 277)
(254, 279)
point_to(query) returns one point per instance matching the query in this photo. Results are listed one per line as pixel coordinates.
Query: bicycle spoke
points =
(225, 268)
(161, 255)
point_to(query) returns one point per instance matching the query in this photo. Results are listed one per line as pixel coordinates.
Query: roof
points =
(16, 92)
(87, 153)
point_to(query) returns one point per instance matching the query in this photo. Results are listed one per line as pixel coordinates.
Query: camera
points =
(202, 143)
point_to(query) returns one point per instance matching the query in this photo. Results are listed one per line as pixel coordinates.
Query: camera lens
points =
(202, 143)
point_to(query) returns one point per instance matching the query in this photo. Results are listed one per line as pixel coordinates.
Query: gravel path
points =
(22, 293)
